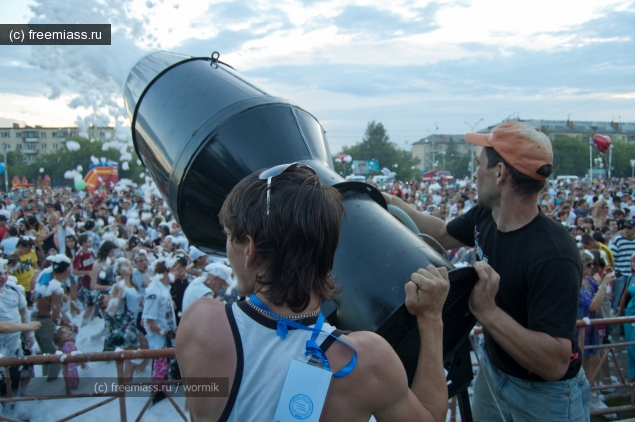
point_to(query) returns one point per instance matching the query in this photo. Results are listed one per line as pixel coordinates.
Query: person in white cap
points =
(216, 277)
(199, 261)
(13, 309)
(529, 272)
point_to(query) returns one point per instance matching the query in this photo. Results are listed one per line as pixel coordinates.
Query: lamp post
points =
(6, 169)
(472, 129)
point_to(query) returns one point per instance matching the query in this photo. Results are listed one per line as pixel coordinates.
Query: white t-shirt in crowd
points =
(158, 306)
(12, 300)
(196, 290)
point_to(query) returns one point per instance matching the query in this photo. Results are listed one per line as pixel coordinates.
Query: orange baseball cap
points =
(524, 147)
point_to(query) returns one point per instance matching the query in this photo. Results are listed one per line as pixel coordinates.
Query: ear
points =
(250, 251)
(502, 173)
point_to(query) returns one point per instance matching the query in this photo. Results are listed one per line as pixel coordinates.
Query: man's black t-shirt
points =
(540, 275)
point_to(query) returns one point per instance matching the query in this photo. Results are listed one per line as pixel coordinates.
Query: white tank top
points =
(263, 359)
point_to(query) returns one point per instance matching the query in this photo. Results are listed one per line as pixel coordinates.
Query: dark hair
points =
(598, 262)
(82, 238)
(27, 242)
(181, 259)
(165, 230)
(133, 242)
(296, 242)
(587, 238)
(67, 251)
(32, 221)
(524, 185)
(89, 225)
(598, 236)
(105, 249)
(160, 268)
(59, 268)
(13, 231)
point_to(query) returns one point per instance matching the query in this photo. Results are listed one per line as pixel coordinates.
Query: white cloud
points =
(408, 64)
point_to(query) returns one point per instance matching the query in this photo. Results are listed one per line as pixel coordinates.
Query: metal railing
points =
(65, 359)
(623, 381)
(120, 356)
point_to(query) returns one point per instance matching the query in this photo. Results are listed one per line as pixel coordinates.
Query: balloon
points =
(602, 142)
(1, 168)
(80, 185)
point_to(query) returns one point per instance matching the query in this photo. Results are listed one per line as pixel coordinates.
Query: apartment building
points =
(556, 129)
(431, 150)
(33, 141)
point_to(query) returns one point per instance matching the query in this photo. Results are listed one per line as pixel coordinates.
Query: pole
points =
(6, 170)
(590, 160)
(610, 162)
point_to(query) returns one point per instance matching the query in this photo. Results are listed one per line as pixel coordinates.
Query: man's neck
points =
(514, 212)
(314, 305)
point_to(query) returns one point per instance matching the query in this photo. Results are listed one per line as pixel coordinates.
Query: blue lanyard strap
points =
(312, 348)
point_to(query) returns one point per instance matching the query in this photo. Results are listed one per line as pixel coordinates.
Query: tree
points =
(376, 145)
(55, 164)
(571, 156)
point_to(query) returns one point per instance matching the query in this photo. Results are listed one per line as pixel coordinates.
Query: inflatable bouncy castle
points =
(101, 174)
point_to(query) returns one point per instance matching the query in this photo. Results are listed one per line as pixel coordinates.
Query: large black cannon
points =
(199, 127)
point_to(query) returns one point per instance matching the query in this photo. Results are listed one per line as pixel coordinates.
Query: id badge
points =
(303, 393)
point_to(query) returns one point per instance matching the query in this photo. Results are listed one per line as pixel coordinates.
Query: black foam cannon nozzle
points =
(199, 127)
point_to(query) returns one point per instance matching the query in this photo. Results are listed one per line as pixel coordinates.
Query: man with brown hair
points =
(282, 229)
(529, 271)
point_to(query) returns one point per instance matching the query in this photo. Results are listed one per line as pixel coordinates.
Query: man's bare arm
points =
(426, 224)
(427, 400)
(7, 327)
(205, 350)
(540, 353)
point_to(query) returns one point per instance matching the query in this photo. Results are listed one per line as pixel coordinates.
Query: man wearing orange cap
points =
(529, 271)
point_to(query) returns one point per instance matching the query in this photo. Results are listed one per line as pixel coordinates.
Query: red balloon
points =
(602, 142)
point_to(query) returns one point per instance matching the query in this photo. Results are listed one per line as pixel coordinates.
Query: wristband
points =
(162, 332)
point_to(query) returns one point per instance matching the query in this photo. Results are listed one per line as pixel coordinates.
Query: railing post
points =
(66, 380)
(581, 333)
(7, 380)
(122, 395)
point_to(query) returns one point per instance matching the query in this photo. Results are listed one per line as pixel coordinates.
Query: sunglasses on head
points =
(269, 174)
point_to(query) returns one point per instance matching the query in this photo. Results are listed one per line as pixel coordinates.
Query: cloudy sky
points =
(419, 67)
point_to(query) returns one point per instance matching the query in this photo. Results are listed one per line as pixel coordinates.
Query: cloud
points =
(224, 42)
(377, 23)
(231, 12)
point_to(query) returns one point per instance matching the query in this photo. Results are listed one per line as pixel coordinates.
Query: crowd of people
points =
(117, 256)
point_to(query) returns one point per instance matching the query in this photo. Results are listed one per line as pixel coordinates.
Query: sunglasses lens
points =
(269, 174)
(278, 170)
(275, 171)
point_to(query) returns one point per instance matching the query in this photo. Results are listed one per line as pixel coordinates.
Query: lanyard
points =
(312, 347)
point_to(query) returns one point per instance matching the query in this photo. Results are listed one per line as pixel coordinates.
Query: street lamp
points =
(472, 129)
(6, 169)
